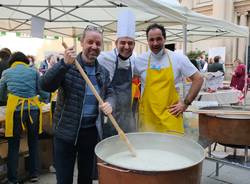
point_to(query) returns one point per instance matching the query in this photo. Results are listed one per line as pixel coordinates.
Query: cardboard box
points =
(45, 153)
(21, 171)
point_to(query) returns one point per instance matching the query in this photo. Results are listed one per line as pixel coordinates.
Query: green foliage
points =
(194, 54)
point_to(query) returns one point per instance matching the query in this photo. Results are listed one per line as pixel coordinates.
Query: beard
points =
(90, 57)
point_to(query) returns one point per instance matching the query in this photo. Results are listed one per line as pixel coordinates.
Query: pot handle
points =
(112, 167)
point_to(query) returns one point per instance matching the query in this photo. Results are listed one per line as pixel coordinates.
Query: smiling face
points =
(156, 40)
(91, 45)
(125, 46)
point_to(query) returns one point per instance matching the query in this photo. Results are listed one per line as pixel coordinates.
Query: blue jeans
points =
(65, 156)
(14, 144)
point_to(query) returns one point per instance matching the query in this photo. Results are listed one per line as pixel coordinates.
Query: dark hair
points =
(156, 26)
(18, 56)
(6, 50)
(217, 59)
(31, 57)
(5, 53)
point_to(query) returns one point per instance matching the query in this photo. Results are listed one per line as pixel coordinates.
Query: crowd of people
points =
(213, 68)
(79, 119)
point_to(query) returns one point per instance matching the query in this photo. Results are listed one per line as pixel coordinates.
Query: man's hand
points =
(178, 108)
(106, 108)
(69, 55)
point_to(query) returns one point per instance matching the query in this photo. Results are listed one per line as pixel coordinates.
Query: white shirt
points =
(108, 60)
(180, 63)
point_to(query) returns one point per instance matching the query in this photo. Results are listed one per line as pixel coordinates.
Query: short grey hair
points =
(90, 28)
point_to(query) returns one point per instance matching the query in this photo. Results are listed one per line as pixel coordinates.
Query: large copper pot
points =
(226, 129)
(115, 173)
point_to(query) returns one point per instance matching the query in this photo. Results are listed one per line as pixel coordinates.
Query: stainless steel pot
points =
(116, 173)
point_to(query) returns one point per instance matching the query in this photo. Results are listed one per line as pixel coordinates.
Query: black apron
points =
(122, 84)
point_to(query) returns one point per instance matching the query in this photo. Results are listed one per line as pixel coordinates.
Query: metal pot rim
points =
(202, 157)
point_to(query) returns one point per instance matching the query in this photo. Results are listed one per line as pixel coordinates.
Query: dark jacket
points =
(21, 81)
(71, 92)
(215, 67)
(4, 64)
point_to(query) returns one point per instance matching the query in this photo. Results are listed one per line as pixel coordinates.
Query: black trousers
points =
(14, 144)
(66, 154)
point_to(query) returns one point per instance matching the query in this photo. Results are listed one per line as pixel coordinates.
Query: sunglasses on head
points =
(93, 28)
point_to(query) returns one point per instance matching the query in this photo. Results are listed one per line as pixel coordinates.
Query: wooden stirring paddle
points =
(112, 119)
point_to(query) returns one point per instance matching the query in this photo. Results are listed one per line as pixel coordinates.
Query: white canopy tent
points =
(68, 18)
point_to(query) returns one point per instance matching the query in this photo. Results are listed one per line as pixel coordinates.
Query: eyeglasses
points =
(93, 28)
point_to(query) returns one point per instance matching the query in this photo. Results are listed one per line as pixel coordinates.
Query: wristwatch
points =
(187, 102)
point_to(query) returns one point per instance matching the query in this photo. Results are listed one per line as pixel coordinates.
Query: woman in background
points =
(238, 76)
(32, 61)
(23, 111)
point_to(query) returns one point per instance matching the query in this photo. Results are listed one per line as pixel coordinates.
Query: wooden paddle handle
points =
(112, 119)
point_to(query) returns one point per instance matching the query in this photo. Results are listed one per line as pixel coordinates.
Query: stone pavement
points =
(227, 175)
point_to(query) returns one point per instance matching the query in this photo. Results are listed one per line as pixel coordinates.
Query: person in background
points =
(238, 75)
(120, 63)
(5, 54)
(32, 61)
(160, 69)
(44, 65)
(77, 118)
(23, 111)
(52, 60)
(203, 59)
(216, 65)
(200, 63)
(210, 60)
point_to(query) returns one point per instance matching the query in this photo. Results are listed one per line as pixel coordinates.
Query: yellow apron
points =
(159, 93)
(12, 103)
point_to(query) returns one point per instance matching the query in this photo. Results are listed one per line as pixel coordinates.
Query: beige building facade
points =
(235, 11)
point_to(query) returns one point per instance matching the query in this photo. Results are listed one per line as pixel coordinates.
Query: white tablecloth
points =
(223, 97)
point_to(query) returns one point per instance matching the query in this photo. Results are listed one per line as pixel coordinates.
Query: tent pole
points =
(184, 26)
(49, 3)
(184, 39)
(246, 71)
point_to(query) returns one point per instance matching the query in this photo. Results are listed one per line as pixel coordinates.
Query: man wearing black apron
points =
(119, 62)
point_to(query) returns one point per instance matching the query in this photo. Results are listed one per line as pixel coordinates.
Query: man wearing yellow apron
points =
(161, 107)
